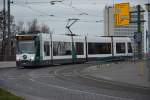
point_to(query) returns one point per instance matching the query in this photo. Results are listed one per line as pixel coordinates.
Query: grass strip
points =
(5, 95)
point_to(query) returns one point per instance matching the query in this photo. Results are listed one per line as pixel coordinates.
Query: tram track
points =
(63, 82)
(90, 81)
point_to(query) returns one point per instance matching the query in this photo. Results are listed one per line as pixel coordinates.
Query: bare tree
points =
(4, 34)
(45, 28)
(20, 26)
(33, 27)
(1, 20)
(6, 20)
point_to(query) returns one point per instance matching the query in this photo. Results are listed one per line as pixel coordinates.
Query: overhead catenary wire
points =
(54, 16)
(52, 2)
(81, 11)
(38, 11)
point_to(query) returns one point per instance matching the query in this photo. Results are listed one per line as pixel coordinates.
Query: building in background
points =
(147, 27)
(111, 30)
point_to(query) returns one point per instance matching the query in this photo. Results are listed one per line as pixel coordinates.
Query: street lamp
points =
(148, 56)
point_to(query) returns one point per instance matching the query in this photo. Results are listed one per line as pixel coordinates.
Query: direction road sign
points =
(122, 14)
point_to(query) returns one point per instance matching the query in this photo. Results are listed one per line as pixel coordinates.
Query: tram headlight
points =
(17, 58)
(32, 58)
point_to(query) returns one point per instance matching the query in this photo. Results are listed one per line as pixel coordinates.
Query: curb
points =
(7, 67)
(5, 64)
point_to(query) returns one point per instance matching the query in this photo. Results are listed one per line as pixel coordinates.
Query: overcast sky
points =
(90, 12)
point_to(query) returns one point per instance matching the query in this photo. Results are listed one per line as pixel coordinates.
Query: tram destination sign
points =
(25, 37)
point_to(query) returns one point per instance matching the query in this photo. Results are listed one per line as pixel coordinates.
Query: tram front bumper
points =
(25, 63)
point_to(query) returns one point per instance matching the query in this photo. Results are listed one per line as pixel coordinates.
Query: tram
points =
(47, 49)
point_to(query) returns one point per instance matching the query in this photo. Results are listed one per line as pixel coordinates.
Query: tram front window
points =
(25, 47)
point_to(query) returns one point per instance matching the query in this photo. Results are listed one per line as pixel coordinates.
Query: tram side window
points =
(61, 48)
(129, 48)
(79, 48)
(99, 48)
(46, 49)
(120, 47)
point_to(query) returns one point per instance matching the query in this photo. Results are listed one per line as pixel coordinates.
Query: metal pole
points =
(9, 31)
(139, 32)
(112, 43)
(86, 44)
(108, 21)
(149, 43)
(51, 47)
(4, 28)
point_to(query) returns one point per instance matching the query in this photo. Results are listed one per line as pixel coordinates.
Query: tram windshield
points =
(25, 47)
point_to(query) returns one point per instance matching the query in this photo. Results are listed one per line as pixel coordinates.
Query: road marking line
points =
(67, 75)
(73, 90)
(105, 77)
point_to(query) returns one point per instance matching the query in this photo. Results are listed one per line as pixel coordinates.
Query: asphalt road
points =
(63, 83)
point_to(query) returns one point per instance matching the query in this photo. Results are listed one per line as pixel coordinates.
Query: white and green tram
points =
(46, 49)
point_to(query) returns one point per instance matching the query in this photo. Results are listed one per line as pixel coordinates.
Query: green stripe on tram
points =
(74, 54)
(37, 47)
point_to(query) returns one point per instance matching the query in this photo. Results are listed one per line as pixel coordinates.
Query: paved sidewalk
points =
(127, 72)
(7, 64)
